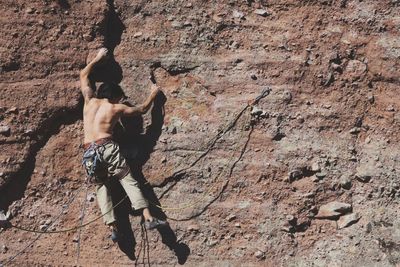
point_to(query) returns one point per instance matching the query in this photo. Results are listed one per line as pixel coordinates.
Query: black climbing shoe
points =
(114, 235)
(155, 223)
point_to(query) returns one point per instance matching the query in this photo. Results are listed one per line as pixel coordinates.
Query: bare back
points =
(99, 119)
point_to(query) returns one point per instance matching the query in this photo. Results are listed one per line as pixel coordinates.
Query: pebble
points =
(287, 97)
(138, 34)
(315, 167)
(345, 182)
(355, 130)
(29, 10)
(333, 210)
(256, 111)
(212, 243)
(4, 249)
(295, 175)
(356, 68)
(321, 175)
(261, 12)
(230, 217)
(13, 110)
(291, 219)
(363, 175)
(193, 227)
(390, 108)
(348, 220)
(371, 99)
(5, 130)
(259, 255)
(43, 227)
(176, 24)
(238, 14)
(91, 197)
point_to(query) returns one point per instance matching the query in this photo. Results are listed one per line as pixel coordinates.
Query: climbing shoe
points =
(114, 235)
(155, 223)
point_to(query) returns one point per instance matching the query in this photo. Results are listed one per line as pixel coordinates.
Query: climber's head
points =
(111, 91)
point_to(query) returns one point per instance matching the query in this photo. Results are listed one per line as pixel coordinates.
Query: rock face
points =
(229, 177)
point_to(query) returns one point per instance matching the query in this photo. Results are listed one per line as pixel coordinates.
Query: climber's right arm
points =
(86, 89)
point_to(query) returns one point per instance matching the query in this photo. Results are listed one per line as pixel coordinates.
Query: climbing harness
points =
(92, 157)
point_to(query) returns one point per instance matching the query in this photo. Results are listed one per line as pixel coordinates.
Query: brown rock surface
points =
(323, 61)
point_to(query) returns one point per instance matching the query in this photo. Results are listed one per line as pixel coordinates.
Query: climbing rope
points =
(65, 207)
(69, 229)
(263, 94)
(78, 248)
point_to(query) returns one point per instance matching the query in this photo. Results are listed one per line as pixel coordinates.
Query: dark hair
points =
(110, 91)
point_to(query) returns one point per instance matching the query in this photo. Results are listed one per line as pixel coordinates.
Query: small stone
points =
(76, 239)
(176, 24)
(348, 220)
(390, 108)
(295, 175)
(238, 14)
(138, 34)
(321, 175)
(230, 217)
(291, 219)
(193, 228)
(212, 243)
(315, 167)
(287, 97)
(13, 110)
(237, 225)
(356, 68)
(5, 130)
(355, 130)
(261, 12)
(3, 219)
(363, 174)
(91, 197)
(174, 131)
(371, 99)
(253, 77)
(345, 182)
(29, 10)
(256, 111)
(88, 37)
(330, 78)
(259, 255)
(4, 249)
(43, 227)
(337, 67)
(333, 210)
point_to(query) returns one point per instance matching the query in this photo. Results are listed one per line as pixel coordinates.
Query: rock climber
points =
(102, 158)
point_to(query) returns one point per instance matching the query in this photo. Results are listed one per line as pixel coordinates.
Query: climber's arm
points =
(86, 89)
(125, 110)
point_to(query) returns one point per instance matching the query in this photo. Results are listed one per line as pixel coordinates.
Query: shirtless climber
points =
(102, 159)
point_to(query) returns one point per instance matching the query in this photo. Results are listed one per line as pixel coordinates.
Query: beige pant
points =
(113, 163)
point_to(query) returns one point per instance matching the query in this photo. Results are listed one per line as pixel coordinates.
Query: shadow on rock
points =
(137, 148)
